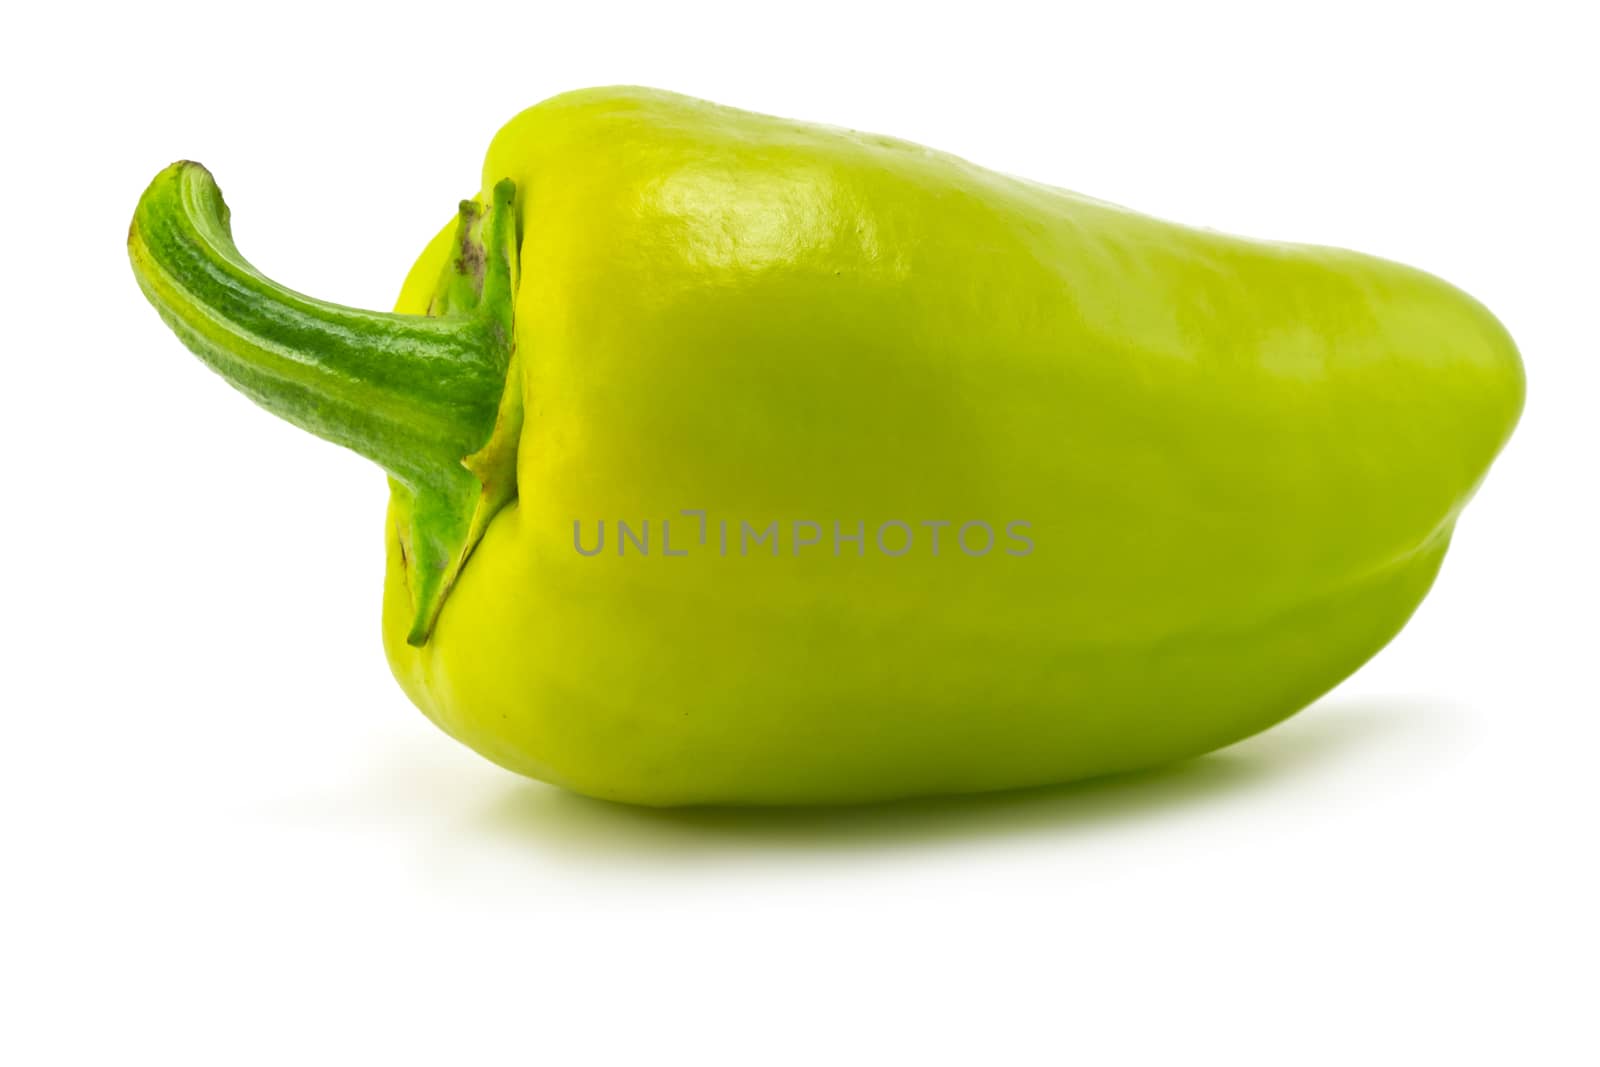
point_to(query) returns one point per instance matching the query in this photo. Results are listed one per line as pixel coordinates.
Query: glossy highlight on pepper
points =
(1239, 462)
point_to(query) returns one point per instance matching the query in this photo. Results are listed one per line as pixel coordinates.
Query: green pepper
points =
(739, 460)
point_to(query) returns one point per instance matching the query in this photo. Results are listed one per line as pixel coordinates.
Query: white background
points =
(228, 838)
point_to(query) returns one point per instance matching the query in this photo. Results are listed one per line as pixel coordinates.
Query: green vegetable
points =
(739, 460)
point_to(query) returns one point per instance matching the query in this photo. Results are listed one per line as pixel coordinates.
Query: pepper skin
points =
(1220, 474)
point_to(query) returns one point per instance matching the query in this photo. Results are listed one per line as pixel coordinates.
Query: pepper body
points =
(906, 477)
(1239, 464)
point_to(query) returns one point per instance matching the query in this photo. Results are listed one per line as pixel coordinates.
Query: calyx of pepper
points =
(434, 400)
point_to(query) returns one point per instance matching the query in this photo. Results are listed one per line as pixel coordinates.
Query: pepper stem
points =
(431, 399)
